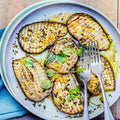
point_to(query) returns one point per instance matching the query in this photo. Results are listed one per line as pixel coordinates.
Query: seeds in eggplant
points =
(36, 37)
(66, 57)
(61, 91)
(107, 78)
(30, 74)
(85, 28)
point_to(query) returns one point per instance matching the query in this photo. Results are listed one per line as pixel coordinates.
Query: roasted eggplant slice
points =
(61, 88)
(64, 54)
(107, 78)
(30, 74)
(85, 28)
(36, 37)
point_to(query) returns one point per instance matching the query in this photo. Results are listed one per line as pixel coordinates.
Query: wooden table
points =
(111, 8)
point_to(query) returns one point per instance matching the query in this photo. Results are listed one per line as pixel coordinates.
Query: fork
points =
(96, 68)
(85, 77)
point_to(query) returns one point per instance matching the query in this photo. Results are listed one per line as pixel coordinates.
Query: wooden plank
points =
(118, 14)
(117, 110)
(10, 9)
(30, 2)
(107, 7)
(3, 5)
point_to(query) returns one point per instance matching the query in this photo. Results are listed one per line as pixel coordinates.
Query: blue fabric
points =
(9, 108)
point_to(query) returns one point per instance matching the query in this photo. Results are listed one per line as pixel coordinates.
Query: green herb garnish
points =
(67, 51)
(46, 84)
(62, 57)
(80, 69)
(50, 57)
(73, 93)
(28, 62)
(71, 96)
(79, 50)
(50, 72)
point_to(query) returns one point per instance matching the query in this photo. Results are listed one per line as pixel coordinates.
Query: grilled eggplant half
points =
(62, 86)
(65, 56)
(36, 37)
(107, 78)
(85, 28)
(30, 74)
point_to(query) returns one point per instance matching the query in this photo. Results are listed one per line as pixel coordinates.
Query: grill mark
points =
(44, 25)
(30, 74)
(91, 22)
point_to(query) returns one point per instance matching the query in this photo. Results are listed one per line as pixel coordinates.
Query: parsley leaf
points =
(73, 93)
(79, 50)
(62, 57)
(70, 97)
(28, 62)
(79, 69)
(46, 84)
(67, 51)
(50, 72)
(50, 57)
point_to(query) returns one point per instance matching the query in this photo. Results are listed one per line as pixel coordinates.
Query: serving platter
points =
(35, 13)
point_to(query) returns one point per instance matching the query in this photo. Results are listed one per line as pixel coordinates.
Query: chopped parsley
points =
(46, 84)
(61, 57)
(28, 62)
(50, 57)
(79, 50)
(73, 93)
(50, 72)
(67, 51)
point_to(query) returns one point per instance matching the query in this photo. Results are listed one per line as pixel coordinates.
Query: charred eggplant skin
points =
(82, 40)
(44, 22)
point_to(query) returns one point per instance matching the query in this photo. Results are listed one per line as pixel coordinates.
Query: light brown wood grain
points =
(116, 109)
(118, 14)
(30, 2)
(11, 7)
(110, 8)
(107, 7)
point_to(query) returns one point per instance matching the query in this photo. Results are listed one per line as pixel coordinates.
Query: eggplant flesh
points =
(108, 78)
(60, 92)
(85, 28)
(59, 47)
(36, 37)
(30, 78)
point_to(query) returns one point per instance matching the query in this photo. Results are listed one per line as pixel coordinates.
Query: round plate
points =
(35, 13)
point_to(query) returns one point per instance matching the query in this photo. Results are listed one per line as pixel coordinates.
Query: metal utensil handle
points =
(85, 115)
(107, 112)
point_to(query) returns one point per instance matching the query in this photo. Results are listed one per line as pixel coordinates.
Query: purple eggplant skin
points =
(63, 33)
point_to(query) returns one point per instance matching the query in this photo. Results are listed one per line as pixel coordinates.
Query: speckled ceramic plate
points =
(35, 13)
